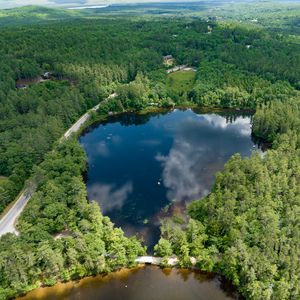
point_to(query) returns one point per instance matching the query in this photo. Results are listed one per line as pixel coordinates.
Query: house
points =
(168, 60)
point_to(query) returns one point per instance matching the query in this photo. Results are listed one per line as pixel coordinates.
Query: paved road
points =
(7, 223)
(75, 127)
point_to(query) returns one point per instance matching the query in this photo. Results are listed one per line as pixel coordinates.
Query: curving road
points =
(8, 221)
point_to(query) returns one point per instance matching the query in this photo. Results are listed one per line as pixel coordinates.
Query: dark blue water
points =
(140, 164)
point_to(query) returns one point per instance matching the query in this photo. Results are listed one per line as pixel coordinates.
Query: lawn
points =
(181, 81)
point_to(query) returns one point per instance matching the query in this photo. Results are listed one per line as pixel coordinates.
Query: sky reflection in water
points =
(139, 164)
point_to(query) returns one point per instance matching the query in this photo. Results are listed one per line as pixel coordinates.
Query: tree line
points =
(62, 236)
(245, 229)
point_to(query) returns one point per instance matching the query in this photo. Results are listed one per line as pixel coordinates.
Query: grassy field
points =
(181, 81)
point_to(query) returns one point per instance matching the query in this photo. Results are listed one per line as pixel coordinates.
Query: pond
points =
(141, 164)
(141, 283)
(138, 166)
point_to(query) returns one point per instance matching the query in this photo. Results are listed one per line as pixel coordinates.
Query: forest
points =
(62, 236)
(247, 228)
(86, 70)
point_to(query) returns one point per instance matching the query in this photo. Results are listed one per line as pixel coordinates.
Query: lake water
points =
(139, 164)
(141, 283)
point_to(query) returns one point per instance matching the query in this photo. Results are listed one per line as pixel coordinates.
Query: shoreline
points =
(94, 118)
(98, 118)
(121, 273)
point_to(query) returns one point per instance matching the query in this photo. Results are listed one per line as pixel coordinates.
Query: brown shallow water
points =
(141, 283)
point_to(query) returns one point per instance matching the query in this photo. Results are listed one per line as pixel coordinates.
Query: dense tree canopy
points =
(276, 118)
(246, 228)
(63, 237)
(237, 67)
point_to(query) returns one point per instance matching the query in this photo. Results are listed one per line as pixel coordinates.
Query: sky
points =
(61, 3)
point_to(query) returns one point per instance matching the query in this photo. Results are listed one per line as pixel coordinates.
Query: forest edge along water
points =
(141, 283)
(247, 57)
(173, 283)
(143, 168)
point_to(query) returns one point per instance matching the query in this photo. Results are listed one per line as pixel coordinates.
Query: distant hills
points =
(34, 14)
(275, 14)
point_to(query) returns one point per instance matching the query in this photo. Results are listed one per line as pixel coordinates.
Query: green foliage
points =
(31, 120)
(221, 84)
(134, 95)
(163, 248)
(185, 241)
(88, 244)
(247, 228)
(277, 118)
(181, 83)
(34, 14)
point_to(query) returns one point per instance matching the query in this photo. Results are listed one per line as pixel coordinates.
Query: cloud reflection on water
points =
(240, 124)
(109, 196)
(137, 167)
(102, 149)
(196, 155)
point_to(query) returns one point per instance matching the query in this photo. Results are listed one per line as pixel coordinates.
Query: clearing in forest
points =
(181, 81)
